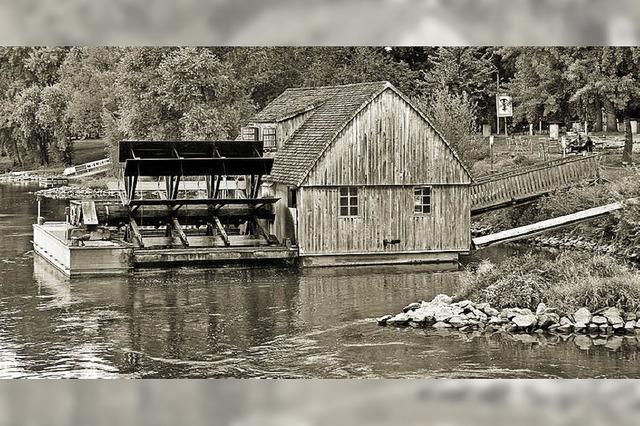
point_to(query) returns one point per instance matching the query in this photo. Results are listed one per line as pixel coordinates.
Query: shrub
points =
(567, 282)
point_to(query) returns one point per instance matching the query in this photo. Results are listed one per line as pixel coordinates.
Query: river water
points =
(269, 322)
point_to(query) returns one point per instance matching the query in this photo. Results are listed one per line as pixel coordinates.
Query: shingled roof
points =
(333, 108)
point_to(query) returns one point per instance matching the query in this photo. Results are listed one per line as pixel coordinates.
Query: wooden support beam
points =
(216, 187)
(168, 183)
(221, 230)
(270, 238)
(136, 231)
(132, 189)
(176, 188)
(256, 187)
(179, 231)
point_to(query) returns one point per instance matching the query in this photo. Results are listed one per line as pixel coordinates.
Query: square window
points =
(348, 201)
(422, 200)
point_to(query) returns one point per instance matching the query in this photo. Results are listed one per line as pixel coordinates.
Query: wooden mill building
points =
(363, 177)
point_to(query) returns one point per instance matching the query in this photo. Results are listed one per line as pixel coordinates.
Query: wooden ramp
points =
(548, 225)
(526, 184)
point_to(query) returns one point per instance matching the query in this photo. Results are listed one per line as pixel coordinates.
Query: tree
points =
(454, 115)
(26, 74)
(86, 77)
(610, 74)
(540, 87)
(344, 65)
(54, 120)
(463, 70)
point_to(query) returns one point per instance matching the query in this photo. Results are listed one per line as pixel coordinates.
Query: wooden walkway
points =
(87, 169)
(522, 185)
(548, 225)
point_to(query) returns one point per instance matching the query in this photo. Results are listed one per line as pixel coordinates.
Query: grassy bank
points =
(568, 282)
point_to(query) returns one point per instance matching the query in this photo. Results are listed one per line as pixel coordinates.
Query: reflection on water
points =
(234, 322)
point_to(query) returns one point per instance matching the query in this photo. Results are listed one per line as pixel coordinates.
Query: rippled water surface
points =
(252, 322)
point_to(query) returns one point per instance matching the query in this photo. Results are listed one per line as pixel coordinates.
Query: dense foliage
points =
(51, 97)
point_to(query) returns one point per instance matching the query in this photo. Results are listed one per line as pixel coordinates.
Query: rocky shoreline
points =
(585, 244)
(467, 316)
(69, 192)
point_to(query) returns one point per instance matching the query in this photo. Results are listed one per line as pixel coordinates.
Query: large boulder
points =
(541, 309)
(612, 311)
(442, 299)
(546, 320)
(383, 319)
(399, 320)
(443, 313)
(480, 315)
(458, 321)
(441, 324)
(418, 315)
(582, 315)
(492, 312)
(497, 321)
(565, 321)
(525, 321)
(599, 320)
(613, 316)
(629, 326)
(464, 303)
(412, 307)
(509, 313)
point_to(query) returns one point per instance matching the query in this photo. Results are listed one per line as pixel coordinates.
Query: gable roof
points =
(333, 108)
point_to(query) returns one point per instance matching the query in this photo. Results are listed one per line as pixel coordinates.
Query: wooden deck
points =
(522, 185)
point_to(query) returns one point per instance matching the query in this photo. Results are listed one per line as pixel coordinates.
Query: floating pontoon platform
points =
(116, 236)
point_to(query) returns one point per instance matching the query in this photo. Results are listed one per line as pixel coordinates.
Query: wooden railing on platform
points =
(521, 185)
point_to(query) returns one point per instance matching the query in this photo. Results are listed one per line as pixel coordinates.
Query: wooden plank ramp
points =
(522, 185)
(548, 225)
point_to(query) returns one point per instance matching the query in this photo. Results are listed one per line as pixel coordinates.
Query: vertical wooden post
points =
(491, 151)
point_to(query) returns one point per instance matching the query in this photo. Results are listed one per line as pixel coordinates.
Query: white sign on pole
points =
(505, 107)
(491, 141)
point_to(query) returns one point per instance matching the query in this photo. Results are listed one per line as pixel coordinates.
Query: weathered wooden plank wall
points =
(386, 150)
(388, 142)
(385, 212)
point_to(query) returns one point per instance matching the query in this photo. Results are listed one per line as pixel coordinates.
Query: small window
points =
(422, 200)
(348, 202)
(269, 137)
(249, 133)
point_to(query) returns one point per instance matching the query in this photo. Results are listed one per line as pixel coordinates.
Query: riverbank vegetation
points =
(568, 282)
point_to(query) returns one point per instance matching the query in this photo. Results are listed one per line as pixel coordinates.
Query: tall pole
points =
(497, 94)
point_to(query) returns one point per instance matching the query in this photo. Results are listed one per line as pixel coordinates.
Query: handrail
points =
(533, 167)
